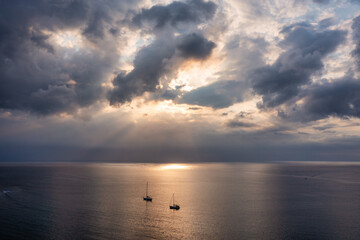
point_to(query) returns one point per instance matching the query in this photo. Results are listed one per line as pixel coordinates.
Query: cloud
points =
(356, 39)
(305, 49)
(40, 41)
(321, 1)
(241, 124)
(149, 65)
(194, 46)
(95, 24)
(166, 53)
(220, 94)
(194, 108)
(243, 54)
(35, 71)
(325, 127)
(327, 22)
(53, 99)
(32, 65)
(155, 60)
(340, 98)
(61, 56)
(336, 98)
(193, 11)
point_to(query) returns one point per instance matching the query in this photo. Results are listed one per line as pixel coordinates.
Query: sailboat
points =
(147, 198)
(174, 206)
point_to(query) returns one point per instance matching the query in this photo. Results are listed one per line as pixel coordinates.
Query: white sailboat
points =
(174, 206)
(147, 198)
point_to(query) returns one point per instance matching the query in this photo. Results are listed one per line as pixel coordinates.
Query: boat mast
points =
(173, 199)
(147, 183)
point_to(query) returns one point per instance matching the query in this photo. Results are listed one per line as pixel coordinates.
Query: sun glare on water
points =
(174, 167)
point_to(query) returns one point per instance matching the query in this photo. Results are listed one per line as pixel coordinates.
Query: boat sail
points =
(147, 198)
(174, 206)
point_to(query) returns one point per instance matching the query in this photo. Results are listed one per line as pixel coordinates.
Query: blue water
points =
(218, 201)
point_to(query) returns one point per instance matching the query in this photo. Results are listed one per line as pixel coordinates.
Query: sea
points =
(288, 200)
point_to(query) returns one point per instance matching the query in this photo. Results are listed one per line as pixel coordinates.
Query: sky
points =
(179, 81)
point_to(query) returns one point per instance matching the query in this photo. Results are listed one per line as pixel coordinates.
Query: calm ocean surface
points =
(218, 201)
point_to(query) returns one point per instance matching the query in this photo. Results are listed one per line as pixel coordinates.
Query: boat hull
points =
(176, 207)
(148, 199)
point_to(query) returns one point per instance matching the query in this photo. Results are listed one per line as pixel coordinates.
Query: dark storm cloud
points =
(153, 61)
(53, 99)
(193, 11)
(40, 77)
(95, 25)
(194, 46)
(340, 98)
(166, 52)
(305, 49)
(220, 94)
(356, 39)
(40, 41)
(149, 65)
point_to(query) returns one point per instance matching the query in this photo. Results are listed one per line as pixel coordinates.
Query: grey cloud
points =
(195, 46)
(237, 124)
(169, 94)
(175, 13)
(54, 99)
(340, 98)
(251, 50)
(220, 94)
(166, 93)
(327, 22)
(29, 81)
(153, 61)
(325, 127)
(356, 39)
(35, 74)
(276, 87)
(65, 13)
(95, 25)
(166, 52)
(149, 65)
(309, 40)
(40, 40)
(306, 47)
(291, 27)
(321, 1)
(243, 114)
